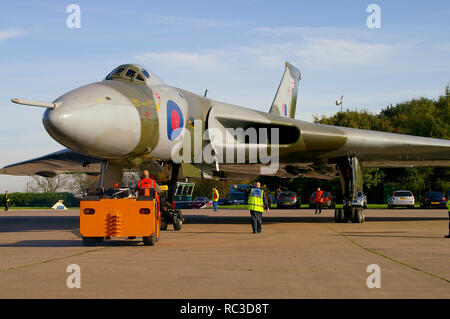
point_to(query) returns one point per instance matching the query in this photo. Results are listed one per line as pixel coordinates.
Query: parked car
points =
(361, 200)
(198, 202)
(224, 201)
(237, 198)
(328, 200)
(434, 199)
(401, 198)
(288, 199)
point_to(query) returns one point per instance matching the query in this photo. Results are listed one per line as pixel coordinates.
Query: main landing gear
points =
(350, 175)
(169, 214)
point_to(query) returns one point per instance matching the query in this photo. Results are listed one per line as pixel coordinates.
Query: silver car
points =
(361, 200)
(401, 198)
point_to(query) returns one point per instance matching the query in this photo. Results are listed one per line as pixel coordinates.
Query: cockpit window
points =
(145, 73)
(135, 74)
(130, 73)
(119, 70)
(109, 76)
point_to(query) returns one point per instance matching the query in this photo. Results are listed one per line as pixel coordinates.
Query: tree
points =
(130, 178)
(41, 184)
(79, 183)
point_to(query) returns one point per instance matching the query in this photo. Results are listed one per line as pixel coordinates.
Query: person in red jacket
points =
(148, 182)
(319, 200)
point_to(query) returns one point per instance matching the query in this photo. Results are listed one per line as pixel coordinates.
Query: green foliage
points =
(42, 199)
(355, 119)
(373, 177)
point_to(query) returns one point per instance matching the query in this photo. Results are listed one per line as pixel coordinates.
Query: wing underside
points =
(61, 162)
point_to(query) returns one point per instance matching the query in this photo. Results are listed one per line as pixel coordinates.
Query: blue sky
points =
(235, 49)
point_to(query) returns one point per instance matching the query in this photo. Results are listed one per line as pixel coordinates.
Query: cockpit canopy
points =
(134, 73)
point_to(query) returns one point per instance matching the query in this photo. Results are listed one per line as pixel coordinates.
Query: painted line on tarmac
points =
(389, 258)
(51, 260)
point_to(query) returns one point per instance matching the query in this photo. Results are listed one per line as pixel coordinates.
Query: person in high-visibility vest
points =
(6, 201)
(257, 202)
(319, 200)
(215, 198)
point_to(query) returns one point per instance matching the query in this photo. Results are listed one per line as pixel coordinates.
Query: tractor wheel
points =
(177, 223)
(164, 224)
(149, 240)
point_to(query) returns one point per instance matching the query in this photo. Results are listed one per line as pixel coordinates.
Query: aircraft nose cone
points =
(95, 120)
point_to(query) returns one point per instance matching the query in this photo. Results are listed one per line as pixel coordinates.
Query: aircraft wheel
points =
(358, 215)
(339, 215)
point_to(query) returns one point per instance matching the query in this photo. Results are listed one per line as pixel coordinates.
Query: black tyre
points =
(164, 224)
(149, 240)
(358, 216)
(177, 223)
(355, 215)
(348, 214)
(338, 215)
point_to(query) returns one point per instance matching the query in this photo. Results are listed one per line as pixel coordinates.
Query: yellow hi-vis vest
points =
(215, 195)
(255, 200)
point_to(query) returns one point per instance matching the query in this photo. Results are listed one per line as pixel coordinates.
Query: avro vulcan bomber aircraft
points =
(132, 120)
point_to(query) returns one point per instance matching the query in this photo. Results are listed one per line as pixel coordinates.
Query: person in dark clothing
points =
(267, 198)
(448, 236)
(277, 192)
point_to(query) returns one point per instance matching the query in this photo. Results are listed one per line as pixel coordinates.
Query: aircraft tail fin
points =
(286, 98)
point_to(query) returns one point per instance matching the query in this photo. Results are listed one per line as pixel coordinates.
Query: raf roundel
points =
(175, 121)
